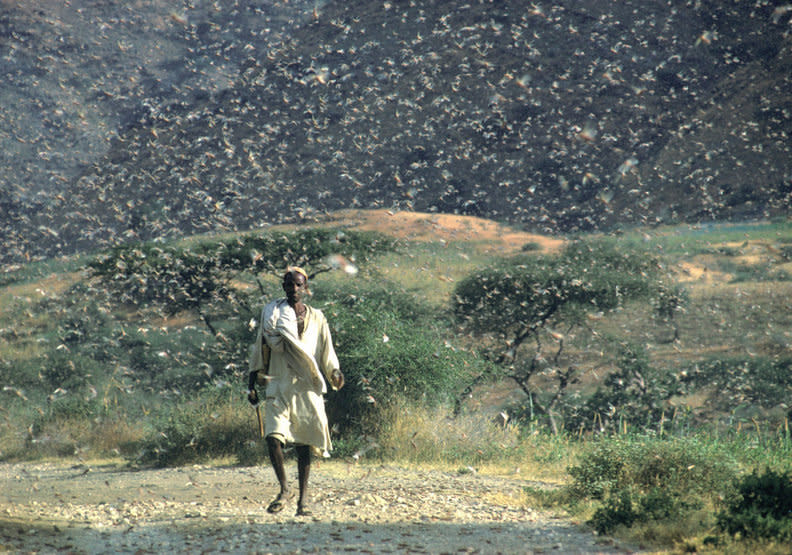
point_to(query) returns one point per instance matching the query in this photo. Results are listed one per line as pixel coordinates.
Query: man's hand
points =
(337, 379)
(253, 397)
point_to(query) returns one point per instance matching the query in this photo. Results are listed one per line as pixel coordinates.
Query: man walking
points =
(293, 355)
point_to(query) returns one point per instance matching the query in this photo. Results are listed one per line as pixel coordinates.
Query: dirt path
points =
(77, 508)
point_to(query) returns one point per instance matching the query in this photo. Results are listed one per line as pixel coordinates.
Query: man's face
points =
(294, 287)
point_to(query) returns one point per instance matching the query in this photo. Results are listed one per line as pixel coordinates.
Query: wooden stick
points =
(260, 423)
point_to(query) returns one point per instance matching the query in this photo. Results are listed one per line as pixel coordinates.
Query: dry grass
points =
(51, 286)
(415, 435)
(84, 437)
(20, 351)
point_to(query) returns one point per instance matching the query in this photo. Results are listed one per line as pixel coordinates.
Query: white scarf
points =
(279, 322)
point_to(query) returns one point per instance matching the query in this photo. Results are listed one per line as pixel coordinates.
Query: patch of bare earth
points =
(54, 507)
(490, 236)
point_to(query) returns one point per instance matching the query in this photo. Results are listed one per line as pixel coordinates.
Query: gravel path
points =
(76, 508)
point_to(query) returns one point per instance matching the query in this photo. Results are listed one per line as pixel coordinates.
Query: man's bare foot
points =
(303, 509)
(280, 501)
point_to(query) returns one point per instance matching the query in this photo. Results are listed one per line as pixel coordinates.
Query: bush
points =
(764, 271)
(526, 291)
(649, 479)
(515, 303)
(62, 369)
(761, 381)
(210, 425)
(685, 465)
(618, 511)
(72, 406)
(670, 299)
(627, 508)
(389, 349)
(636, 394)
(761, 507)
(273, 251)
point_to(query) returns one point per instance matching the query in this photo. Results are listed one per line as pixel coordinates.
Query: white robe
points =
(299, 367)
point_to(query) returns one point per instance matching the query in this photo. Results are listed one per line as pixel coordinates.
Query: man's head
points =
(295, 284)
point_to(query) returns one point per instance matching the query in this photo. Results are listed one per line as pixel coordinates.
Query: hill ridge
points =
(556, 118)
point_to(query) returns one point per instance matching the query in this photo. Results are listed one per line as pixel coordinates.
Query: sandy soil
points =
(421, 226)
(80, 508)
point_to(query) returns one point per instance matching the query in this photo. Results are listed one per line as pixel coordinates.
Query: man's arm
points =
(328, 360)
(258, 363)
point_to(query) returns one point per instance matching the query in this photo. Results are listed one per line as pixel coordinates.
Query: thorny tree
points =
(530, 301)
(199, 277)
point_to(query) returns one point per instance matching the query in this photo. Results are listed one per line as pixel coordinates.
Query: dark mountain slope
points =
(77, 72)
(562, 117)
(73, 75)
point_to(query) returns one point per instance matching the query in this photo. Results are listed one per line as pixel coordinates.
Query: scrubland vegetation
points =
(645, 376)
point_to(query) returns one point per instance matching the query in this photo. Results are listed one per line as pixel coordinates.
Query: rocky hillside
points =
(138, 120)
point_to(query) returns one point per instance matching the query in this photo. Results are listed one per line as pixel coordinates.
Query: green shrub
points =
(643, 480)
(759, 272)
(762, 381)
(62, 369)
(627, 508)
(599, 471)
(526, 291)
(206, 426)
(273, 251)
(760, 508)
(681, 464)
(189, 277)
(24, 374)
(349, 444)
(72, 406)
(513, 305)
(636, 394)
(389, 348)
(669, 300)
(617, 511)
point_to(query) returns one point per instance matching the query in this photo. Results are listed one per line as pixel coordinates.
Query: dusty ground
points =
(421, 226)
(79, 508)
